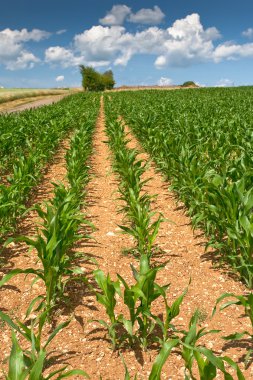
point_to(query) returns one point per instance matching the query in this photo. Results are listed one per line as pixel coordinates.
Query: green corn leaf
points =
(232, 364)
(7, 319)
(73, 372)
(236, 336)
(36, 371)
(56, 372)
(32, 303)
(17, 369)
(55, 332)
(216, 361)
(161, 359)
(14, 272)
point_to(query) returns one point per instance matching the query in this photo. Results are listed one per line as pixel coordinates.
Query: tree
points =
(94, 81)
(108, 79)
(189, 83)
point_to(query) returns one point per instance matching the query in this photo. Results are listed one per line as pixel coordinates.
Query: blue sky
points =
(42, 43)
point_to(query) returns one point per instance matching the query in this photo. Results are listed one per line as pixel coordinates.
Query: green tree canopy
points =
(94, 81)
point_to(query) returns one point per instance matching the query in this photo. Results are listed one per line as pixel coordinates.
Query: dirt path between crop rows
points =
(83, 343)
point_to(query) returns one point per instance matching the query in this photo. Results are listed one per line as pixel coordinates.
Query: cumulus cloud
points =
(231, 51)
(121, 13)
(102, 43)
(184, 43)
(187, 42)
(225, 83)
(248, 33)
(58, 54)
(164, 81)
(13, 54)
(116, 16)
(24, 35)
(147, 16)
(59, 78)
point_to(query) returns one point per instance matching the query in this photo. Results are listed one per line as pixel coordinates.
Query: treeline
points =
(94, 81)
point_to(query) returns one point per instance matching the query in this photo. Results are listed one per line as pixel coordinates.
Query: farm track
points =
(29, 103)
(82, 344)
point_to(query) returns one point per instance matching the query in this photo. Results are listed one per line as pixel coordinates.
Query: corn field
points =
(200, 141)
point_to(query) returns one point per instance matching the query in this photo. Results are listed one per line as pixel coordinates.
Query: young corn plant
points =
(247, 302)
(106, 297)
(186, 343)
(138, 326)
(61, 220)
(29, 363)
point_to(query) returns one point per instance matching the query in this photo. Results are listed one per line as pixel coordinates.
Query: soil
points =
(84, 344)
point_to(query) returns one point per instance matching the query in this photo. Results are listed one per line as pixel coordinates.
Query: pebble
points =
(110, 233)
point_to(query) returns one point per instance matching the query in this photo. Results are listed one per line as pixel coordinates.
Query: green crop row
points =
(142, 224)
(203, 143)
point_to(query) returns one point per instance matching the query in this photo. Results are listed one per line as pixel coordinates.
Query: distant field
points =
(10, 94)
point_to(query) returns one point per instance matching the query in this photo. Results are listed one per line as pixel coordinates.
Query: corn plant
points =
(139, 324)
(106, 297)
(186, 343)
(29, 363)
(61, 220)
(247, 302)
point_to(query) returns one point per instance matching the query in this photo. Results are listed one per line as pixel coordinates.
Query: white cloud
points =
(248, 33)
(200, 84)
(116, 16)
(13, 54)
(57, 55)
(147, 16)
(101, 43)
(160, 62)
(164, 81)
(231, 51)
(25, 60)
(121, 13)
(186, 42)
(225, 83)
(61, 31)
(59, 78)
(24, 35)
